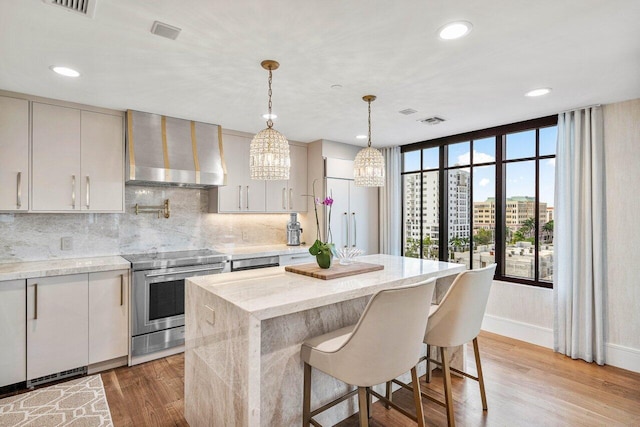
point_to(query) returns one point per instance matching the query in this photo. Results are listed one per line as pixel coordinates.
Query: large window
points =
(491, 194)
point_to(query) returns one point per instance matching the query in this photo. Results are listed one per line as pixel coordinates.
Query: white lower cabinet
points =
(300, 258)
(57, 324)
(13, 356)
(108, 315)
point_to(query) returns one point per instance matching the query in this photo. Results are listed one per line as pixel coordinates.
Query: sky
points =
(519, 175)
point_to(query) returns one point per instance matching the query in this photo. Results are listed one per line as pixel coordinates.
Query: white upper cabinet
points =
(77, 160)
(241, 194)
(56, 158)
(14, 154)
(102, 162)
(289, 196)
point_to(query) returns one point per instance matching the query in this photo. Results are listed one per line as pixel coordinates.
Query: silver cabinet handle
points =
(122, 289)
(355, 235)
(88, 191)
(239, 197)
(194, 270)
(35, 301)
(290, 197)
(284, 196)
(247, 197)
(19, 190)
(73, 191)
(347, 239)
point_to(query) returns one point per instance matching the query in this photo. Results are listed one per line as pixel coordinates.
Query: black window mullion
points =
(421, 250)
(536, 242)
(470, 205)
(443, 233)
(500, 206)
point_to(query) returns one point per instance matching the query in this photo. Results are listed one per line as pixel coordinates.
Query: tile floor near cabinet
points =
(526, 385)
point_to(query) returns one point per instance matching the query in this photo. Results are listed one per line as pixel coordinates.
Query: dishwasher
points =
(254, 263)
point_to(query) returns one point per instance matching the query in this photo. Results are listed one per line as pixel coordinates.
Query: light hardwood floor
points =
(526, 385)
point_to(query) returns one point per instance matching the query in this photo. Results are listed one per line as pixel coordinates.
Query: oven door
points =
(158, 297)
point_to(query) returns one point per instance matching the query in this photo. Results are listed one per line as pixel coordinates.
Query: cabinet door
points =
(13, 332)
(57, 324)
(56, 158)
(277, 196)
(108, 315)
(102, 162)
(363, 218)
(14, 154)
(296, 197)
(231, 197)
(339, 190)
(241, 194)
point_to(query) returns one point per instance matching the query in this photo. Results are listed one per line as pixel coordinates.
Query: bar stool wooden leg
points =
(306, 403)
(428, 363)
(476, 352)
(362, 405)
(388, 394)
(369, 402)
(417, 397)
(446, 374)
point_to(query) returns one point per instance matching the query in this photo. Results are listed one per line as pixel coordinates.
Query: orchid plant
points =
(320, 247)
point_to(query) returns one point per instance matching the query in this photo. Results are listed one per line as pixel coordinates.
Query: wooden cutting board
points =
(337, 270)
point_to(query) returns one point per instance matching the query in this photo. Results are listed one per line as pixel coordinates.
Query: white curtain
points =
(389, 203)
(579, 256)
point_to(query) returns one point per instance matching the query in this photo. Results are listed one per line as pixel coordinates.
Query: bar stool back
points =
(385, 343)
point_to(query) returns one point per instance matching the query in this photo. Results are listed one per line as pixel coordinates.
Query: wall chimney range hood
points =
(173, 152)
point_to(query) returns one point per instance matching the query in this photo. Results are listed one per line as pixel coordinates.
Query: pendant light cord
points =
(369, 102)
(269, 121)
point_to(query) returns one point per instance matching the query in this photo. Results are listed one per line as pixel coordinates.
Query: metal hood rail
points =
(173, 152)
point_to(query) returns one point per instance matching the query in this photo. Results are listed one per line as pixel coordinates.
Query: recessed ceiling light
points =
(336, 86)
(269, 116)
(65, 71)
(455, 30)
(361, 136)
(538, 92)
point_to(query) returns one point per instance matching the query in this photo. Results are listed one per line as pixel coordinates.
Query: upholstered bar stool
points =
(385, 343)
(456, 321)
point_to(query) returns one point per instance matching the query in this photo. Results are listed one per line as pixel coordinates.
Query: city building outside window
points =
(491, 192)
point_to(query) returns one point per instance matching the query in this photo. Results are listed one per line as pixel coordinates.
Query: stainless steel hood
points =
(173, 152)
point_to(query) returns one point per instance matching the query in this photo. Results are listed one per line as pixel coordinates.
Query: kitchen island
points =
(244, 331)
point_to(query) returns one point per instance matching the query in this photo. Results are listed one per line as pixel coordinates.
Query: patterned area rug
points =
(77, 403)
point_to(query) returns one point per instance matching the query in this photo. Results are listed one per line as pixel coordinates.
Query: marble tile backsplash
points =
(31, 237)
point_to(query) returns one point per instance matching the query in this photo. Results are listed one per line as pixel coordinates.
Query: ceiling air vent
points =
(432, 120)
(84, 7)
(407, 111)
(165, 30)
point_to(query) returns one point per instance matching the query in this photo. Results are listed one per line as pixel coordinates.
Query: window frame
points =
(500, 134)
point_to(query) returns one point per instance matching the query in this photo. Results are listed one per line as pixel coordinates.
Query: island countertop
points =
(272, 292)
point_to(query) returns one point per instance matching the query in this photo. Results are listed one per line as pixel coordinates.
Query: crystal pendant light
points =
(269, 152)
(368, 168)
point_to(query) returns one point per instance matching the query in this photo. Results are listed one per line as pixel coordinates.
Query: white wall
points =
(526, 313)
(622, 163)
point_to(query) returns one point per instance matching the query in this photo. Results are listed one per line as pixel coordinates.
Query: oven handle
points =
(195, 270)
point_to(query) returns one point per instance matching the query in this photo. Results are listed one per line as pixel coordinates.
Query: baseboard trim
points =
(533, 334)
(615, 355)
(622, 357)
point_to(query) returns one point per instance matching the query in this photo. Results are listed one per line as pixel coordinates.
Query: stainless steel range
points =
(157, 295)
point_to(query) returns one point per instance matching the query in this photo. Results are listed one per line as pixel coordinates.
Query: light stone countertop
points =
(59, 267)
(256, 251)
(271, 292)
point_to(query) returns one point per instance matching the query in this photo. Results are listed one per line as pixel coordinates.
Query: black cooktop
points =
(155, 260)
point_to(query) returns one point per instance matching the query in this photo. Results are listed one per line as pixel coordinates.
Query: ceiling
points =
(588, 51)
